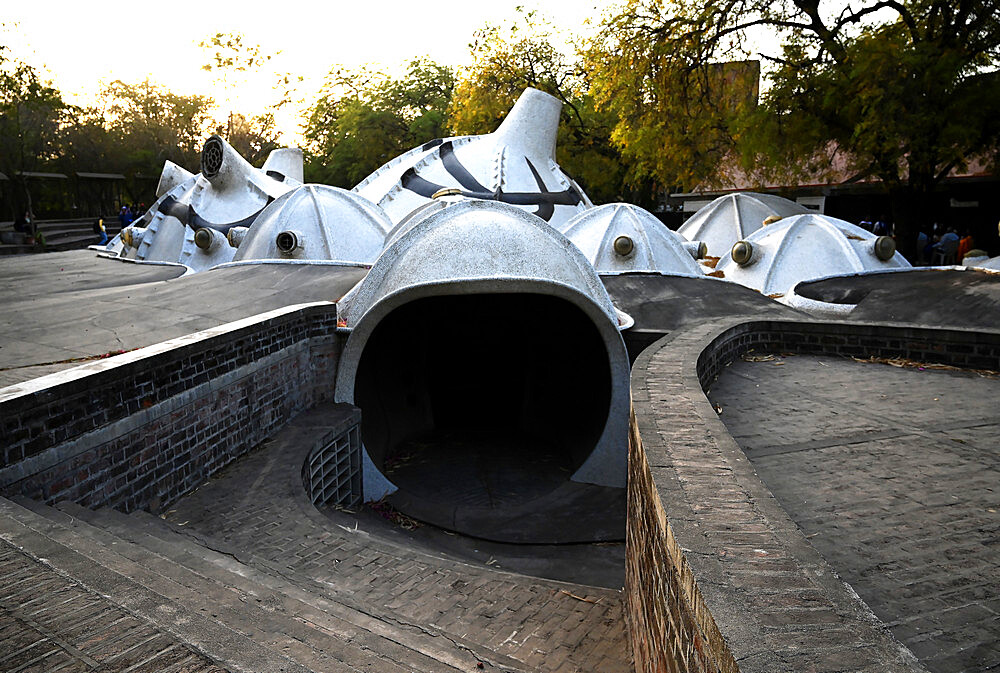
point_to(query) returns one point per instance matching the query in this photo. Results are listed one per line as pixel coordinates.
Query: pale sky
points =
(83, 46)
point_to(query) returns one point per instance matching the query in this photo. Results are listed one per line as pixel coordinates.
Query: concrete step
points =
(226, 623)
(273, 587)
(322, 595)
(74, 242)
(61, 235)
(17, 249)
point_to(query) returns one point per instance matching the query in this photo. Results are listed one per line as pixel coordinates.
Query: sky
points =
(84, 46)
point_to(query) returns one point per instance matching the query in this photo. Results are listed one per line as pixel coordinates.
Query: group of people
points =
(129, 214)
(879, 227)
(943, 245)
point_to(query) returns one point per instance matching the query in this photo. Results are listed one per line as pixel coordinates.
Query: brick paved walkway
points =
(49, 623)
(543, 624)
(893, 476)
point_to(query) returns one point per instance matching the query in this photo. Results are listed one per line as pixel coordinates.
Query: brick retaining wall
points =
(959, 348)
(150, 425)
(669, 626)
(698, 513)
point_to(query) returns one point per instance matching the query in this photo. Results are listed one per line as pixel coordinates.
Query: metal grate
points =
(332, 474)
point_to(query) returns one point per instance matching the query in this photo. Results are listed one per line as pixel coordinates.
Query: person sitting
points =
(966, 244)
(923, 248)
(945, 250)
(100, 231)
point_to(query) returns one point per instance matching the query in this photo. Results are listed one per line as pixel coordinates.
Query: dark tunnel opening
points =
(484, 400)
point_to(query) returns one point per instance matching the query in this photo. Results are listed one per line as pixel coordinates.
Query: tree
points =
(155, 125)
(235, 63)
(363, 118)
(520, 54)
(32, 113)
(254, 137)
(904, 91)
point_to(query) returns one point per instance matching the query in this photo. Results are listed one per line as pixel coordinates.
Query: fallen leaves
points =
(758, 358)
(387, 511)
(906, 363)
(88, 358)
(580, 598)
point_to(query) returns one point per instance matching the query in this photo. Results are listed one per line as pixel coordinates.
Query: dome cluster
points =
(233, 213)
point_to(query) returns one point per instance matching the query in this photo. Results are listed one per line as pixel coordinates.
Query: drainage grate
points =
(332, 474)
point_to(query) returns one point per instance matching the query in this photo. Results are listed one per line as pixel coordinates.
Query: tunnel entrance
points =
(480, 408)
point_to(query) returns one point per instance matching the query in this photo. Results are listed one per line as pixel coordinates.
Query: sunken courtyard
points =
(459, 418)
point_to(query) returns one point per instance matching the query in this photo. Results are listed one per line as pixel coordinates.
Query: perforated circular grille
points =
(211, 157)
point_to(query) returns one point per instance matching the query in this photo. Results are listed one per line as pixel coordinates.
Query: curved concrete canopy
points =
(478, 240)
(621, 238)
(418, 214)
(486, 272)
(284, 163)
(324, 223)
(734, 217)
(805, 247)
(515, 164)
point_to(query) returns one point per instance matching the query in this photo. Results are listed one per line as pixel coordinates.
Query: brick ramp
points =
(190, 604)
(257, 510)
(49, 622)
(270, 586)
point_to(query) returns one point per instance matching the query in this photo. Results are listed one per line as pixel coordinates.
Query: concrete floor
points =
(460, 585)
(894, 477)
(62, 306)
(892, 473)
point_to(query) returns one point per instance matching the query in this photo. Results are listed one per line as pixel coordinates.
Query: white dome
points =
(515, 164)
(806, 247)
(419, 214)
(482, 243)
(991, 263)
(733, 217)
(317, 222)
(620, 237)
(229, 192)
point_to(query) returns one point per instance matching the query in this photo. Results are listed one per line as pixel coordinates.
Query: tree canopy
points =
(363, 118)
(522, 53)
(32, 115)
(237, 65)
(155, 124)
(669, 94)
(899, 91)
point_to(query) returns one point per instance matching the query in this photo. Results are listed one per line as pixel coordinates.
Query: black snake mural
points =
(544, 199)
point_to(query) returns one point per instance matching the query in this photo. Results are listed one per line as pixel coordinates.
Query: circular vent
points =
(211, 157)
(287, 241)
(624, 246)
